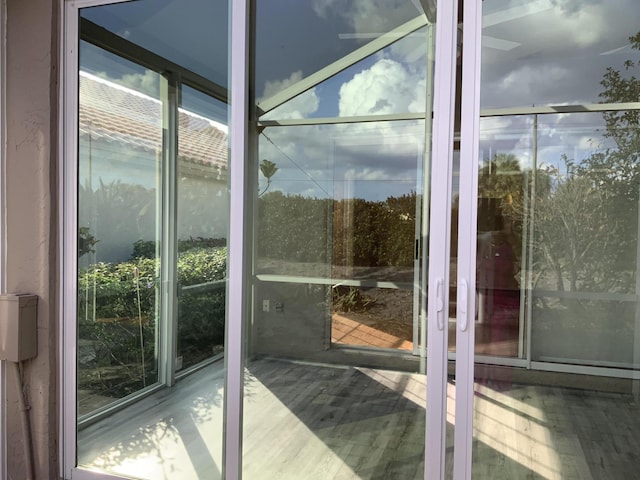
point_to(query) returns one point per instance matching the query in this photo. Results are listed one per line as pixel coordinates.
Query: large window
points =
(151, 228)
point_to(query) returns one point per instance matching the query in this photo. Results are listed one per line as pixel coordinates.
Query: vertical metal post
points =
(530, 242)
(166, 324)
(439, 239)
(467, 237)
(238, 238)
(68, 202)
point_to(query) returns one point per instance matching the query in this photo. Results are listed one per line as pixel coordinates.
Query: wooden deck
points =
(323, 422)
(491, 339)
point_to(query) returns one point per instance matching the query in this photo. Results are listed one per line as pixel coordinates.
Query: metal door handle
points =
(463, 306)
(440, 303)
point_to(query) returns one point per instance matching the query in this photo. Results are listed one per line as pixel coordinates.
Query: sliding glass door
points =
(546, 373)
(352, 119)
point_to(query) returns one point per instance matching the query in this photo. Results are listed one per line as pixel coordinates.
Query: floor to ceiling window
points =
(557, 250)
(152, 229)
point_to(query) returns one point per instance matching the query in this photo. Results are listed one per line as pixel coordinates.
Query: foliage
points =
(109, 312)
(349, 232)
(149, 248)
(268, 170)
(86, 241)
(350, 299)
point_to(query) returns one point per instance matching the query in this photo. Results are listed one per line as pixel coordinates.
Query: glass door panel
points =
(118, 225)
(332, 385)
(557, 246)
(152, 253)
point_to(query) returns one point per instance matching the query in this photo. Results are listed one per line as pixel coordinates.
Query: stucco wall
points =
(32, 219)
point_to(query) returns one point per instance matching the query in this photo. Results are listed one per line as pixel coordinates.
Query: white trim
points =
(439, 239)
(167, 323)
(556, 109)
(238, 239)
(389, 117)
(68, 202)
(467, 237)
(584, 370)
(68, 262)
(497, 112)
(334, 281)
(87, 474)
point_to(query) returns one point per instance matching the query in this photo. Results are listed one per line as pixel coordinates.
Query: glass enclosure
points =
(359, 275)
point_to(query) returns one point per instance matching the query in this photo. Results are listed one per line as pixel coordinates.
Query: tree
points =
(268, 170)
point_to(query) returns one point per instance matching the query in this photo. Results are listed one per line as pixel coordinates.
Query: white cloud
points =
(387, 87)
(368, 16)
(301, 106)
(147, 82)
(366, 174)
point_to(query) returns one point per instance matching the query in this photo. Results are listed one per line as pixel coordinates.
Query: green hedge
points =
(114, 299)
(354, 232)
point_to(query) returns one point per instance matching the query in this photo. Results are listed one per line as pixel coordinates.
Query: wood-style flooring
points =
(304, 421)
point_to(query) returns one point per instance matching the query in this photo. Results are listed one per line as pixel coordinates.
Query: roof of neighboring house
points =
(120, 114)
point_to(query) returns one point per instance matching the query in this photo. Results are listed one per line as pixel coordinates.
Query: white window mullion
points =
(467, 226)
(68, 235)
(439, 229)
(237, 286)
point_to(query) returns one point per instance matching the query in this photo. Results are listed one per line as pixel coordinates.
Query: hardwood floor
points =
(325, 422)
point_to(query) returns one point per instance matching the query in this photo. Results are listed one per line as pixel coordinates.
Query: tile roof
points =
(119, 114)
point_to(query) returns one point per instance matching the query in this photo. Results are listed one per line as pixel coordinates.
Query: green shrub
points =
(118, 300)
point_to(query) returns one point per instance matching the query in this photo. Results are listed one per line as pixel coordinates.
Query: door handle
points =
(440, 303)
(463, 306)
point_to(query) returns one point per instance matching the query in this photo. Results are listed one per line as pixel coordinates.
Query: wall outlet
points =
(265, 305)
(279, 307)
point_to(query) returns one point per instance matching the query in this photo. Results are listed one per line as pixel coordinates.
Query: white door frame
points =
(467, 234)
(444, 94)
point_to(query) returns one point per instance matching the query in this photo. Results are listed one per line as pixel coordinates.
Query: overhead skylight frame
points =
(113, 43)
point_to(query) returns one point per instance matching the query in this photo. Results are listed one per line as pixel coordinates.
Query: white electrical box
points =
(18, 327)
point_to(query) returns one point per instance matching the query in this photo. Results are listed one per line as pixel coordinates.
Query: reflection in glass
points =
(330, 389)
(152, 218)
(287, 51)
(120, 144)
(355, 220)
(568, 211)
(553, 53)
(201, 47)
(391, 82)
(202, 221)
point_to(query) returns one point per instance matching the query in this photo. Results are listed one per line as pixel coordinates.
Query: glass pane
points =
(120, 145)
(153, 219)
(390, 82)
(202, 223)
(554, 53)
(287, 51)
(152, 25)
(567, 203)
(332, 388)
(350, 194)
